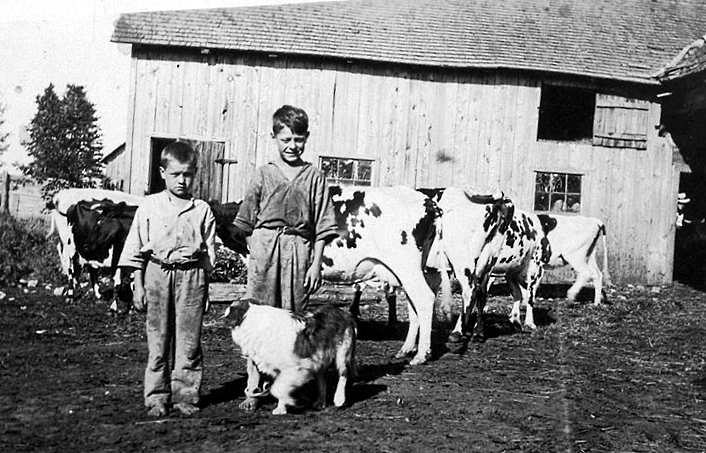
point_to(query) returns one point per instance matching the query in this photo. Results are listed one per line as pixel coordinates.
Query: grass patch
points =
(25, 252)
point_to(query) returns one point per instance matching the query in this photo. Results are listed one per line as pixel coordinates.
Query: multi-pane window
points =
(347, 172)
(557, 192)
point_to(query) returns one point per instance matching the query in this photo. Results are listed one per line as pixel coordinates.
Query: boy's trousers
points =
(175, 300)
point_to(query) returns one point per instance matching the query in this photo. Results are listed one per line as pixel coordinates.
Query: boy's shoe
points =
(187, 408)
(158, 410)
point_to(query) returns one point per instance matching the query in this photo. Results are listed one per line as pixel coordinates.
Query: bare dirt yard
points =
(628, 376)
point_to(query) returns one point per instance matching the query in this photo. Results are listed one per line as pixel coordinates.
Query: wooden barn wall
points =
(422, 128)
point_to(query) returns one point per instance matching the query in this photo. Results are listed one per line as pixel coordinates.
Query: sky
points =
(68, 42)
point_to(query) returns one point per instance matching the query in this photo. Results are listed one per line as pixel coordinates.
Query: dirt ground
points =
(629, 376)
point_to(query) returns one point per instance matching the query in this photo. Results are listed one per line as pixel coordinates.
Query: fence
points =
(20, 197)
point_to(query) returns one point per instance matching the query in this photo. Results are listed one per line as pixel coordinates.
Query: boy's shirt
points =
(302, 204)
(169, 234)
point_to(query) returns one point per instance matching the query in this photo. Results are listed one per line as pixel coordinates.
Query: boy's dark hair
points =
(294, 118)
(181, 152)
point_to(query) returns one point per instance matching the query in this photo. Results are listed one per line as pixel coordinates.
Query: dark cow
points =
(230, 236)
(486, 240)
(573, 240)
(92, 233)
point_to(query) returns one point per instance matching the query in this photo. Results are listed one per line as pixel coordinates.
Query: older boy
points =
(171, 246)
(288, 213)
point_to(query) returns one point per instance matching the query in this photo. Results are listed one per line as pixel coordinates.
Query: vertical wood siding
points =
(422, 128)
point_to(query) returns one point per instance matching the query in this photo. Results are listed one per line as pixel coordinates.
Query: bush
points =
(229, 267)
(25, 252)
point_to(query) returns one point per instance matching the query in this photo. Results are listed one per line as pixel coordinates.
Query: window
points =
(566, 113)
(557, 192)
(347, 172)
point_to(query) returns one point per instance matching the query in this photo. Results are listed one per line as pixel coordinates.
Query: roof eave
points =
(648, 79)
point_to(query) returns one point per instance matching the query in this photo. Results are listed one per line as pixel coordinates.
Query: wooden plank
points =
(176, 85)
(482, 164)
(328, 293)
(417, 170)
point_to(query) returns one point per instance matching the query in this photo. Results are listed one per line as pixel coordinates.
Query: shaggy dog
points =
(295, 348)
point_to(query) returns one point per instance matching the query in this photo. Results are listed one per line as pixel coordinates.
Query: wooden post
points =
(6, 193)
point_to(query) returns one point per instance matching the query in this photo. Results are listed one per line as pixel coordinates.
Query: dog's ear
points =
(234, 314)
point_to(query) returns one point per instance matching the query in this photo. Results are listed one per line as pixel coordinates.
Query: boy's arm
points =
(313, 279)
(247, 214)
(209, 236)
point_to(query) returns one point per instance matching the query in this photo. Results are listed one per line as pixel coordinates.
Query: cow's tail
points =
(435, 258)
(52, 226)
(606, 274)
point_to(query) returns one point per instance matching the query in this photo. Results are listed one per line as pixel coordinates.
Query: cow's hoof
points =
(250, 404)
(279, 410)
(529, 328)
(419, 359)
(455, 337)
(403, 354)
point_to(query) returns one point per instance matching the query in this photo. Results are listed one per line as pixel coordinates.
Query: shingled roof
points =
(691, 60)
(629, 40)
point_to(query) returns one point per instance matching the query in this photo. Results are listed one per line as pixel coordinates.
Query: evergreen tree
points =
(65, 141)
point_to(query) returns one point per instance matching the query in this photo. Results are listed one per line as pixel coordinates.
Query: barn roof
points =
(629, 40)
(691, 60)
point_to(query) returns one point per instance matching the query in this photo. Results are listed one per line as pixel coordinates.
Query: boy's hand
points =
(312, 280)
(138, 299)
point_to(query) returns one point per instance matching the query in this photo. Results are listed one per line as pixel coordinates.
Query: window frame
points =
(355, 180)
(564, 195)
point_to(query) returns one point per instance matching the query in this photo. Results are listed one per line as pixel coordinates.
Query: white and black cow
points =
(573, 240)
(482, 241)
(92, 225)
(384, 236)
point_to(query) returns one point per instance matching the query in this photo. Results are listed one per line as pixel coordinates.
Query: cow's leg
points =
(582, 278)
(75, 267)
(421, 312)
(94, 279)
(391, 297)
(479, 297)
(597, 277)
(534, 279)
(461, 326)
(409, 346)
(516, 292)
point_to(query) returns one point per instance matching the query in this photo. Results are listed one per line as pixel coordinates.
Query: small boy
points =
(171, 246)
(289, 216)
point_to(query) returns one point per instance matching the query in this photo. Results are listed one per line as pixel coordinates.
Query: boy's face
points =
(178, 177)
(290, 145)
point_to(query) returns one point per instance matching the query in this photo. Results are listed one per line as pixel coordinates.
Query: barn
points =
(556, 102)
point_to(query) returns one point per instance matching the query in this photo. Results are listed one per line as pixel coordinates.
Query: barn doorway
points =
(208, 184)
(690, 239)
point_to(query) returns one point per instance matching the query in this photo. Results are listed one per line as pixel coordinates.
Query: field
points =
(629, 376)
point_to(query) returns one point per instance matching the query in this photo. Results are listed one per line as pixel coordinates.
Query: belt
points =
(287, 230)
(183, 266)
